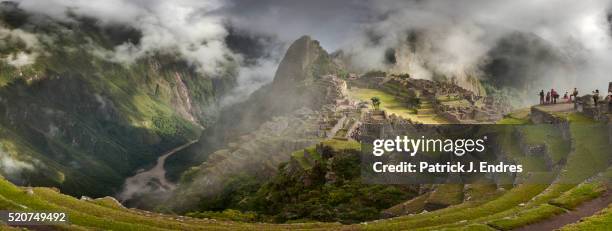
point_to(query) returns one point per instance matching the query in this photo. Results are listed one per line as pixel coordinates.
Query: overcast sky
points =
(460, 32)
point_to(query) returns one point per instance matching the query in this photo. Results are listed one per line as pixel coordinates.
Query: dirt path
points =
(150, 180)
(584, 210)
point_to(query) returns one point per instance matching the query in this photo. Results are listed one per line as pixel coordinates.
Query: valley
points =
(132, 127)
(154, 178)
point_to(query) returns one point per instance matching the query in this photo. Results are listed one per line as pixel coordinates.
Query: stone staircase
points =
(425, 109)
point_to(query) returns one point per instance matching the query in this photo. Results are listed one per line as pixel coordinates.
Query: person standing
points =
(566, 97)
(547, 97)
(574, 94)
(542, 97)
(596, 96)
(609, 101)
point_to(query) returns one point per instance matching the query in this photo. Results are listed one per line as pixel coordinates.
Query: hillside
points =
(319, 183)
(75, 120)
(517, 206)
(257, 135)
(165, 115)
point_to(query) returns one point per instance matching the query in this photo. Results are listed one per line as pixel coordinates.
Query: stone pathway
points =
(425, 109)
(559, 107)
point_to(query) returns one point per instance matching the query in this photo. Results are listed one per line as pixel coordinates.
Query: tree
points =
(375, 102)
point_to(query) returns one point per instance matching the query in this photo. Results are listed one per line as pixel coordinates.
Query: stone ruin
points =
(453, 102)
(339, 113)
(483, 109)
(377, 123)
(586, 105)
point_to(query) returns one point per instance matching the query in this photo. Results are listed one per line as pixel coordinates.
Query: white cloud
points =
(31, 42)
(460, 33)
(190, 27)
(21, 59)
(12, 167)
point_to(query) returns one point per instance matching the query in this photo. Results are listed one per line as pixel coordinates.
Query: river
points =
(152, 180)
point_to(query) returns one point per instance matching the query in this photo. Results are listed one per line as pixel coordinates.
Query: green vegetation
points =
(375, 73)
(392, 105)
(446, 194)
(600, 221)
(465, 211)
(375, 102)
(581, 193)
(307, 157)
(107, 215)
(85, 123)
(516, 118)
(304, 193)
(320, 184)
(557, 148)
(227, 215)
(539, 213)
(337, 145)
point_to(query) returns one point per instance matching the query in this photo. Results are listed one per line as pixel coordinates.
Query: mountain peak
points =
(303, 57)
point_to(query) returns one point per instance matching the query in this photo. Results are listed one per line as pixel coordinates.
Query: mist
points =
(462, 38)
(455, 39)
(11, 167)
(523, 45)
(31, 45)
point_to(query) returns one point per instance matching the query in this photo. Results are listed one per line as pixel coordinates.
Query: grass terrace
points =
(393, 105)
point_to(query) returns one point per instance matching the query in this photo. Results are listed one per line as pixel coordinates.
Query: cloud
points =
(455, 38)
(12, 167)
(250, 78)
(21, 59)
(195, 29)
(30, 41)
(190, 28)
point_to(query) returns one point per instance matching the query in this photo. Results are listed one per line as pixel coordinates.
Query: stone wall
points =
(539, 116)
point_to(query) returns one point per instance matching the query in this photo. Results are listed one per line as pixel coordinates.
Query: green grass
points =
(105, 215)
(301, 159)
(517, 117)
(601, 221)
(339, 145)
(414, 205)
(565, 195)
(446, 194)
(464, 211)
(591, 152)
(512, 121)
(557, 148)
(589, 156)
(392, 105)
(35, 203)
(534, 215)
(480, 190)
(581, 193)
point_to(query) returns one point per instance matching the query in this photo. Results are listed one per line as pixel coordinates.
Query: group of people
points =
(552, 96)
(608, 98)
